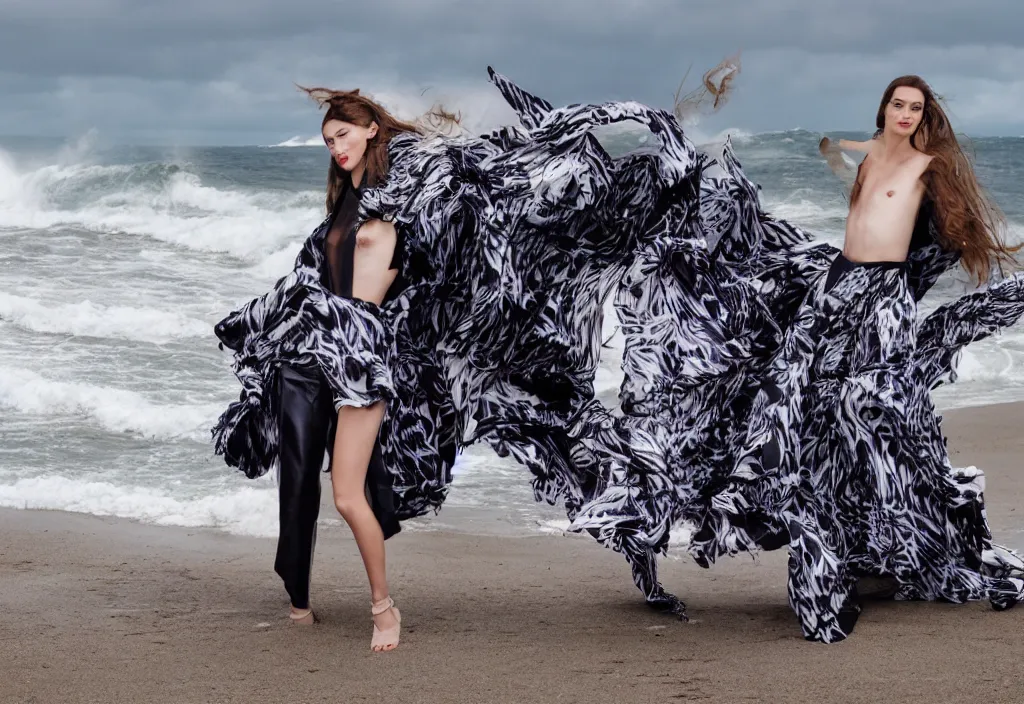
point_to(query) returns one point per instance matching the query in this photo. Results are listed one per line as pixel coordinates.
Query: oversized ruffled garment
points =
(773, 414)
(513, 241)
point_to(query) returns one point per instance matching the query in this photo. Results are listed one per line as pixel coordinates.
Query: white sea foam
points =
(736, 135)
(297, 141)
(249, 510)
(276, 265)
(167, 204)
(116, 410)
(88, 319)
(805, 210)
(985, 364)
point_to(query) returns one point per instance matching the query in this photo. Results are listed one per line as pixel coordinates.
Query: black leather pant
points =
(307, 421)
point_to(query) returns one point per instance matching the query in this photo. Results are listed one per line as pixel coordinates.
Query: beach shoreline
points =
(111, 610)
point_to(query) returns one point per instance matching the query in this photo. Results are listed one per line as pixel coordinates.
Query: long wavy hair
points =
(352, 107)
(968, 220)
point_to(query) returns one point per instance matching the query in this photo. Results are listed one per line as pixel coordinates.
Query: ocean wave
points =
(1015, 233)
(90, 320)
(165, 202)
(115, 410)
(736, 135)
(988, 361)
(276, 265)
(299, 142)
(250, 510)
(825, 222)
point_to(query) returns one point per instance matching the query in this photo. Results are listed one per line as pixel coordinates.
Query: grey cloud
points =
(200, 38)
(225, 68)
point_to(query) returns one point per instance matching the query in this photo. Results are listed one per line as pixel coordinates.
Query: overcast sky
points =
(223, 71)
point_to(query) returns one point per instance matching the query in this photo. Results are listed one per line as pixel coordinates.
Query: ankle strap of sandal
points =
(379, 607)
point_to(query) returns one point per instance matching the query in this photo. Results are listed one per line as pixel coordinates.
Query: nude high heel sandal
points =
(307, 618)
(387, 639)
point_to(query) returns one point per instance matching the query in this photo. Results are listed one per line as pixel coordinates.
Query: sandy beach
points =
(108, 610)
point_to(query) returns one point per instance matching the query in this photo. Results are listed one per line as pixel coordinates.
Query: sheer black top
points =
(340, 246)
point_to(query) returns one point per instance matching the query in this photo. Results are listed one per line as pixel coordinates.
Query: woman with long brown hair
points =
(362, 263)
(767, 399)
(914, 133)
(843, 460)
(454, 293)
(356, 262)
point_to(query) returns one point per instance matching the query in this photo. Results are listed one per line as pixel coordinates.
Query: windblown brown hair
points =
(352, 107)
(714, 90)
(968, 220)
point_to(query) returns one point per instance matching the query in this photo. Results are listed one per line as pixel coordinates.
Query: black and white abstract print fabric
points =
(514, 240)
(788, 416)
(755, 406)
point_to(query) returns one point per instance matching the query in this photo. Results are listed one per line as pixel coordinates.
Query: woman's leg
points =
(353, 446)
(358, 427)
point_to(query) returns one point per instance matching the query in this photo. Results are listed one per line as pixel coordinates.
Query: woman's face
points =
(347, 142)
(905, 111)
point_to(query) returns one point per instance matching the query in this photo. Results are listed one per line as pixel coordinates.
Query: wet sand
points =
(109, 610)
